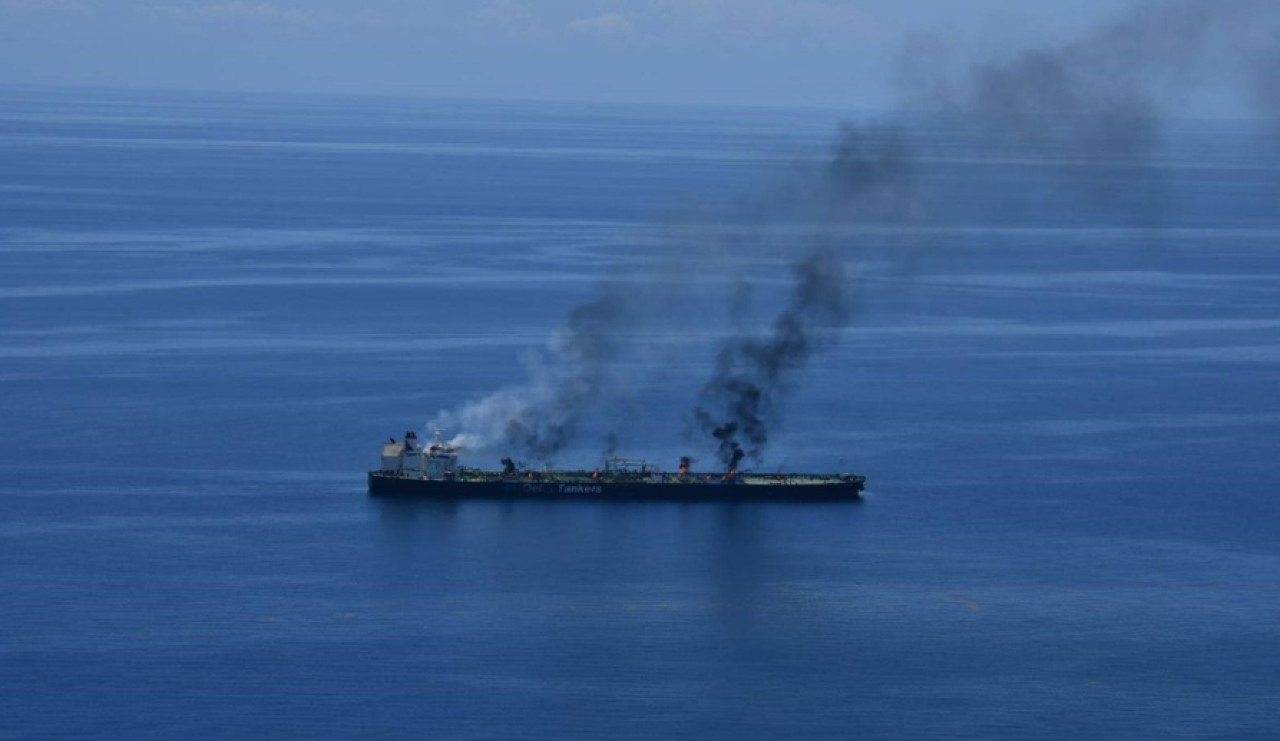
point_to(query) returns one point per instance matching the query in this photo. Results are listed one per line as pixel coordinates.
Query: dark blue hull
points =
(391, 485)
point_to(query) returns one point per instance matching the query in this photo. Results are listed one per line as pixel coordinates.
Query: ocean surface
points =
(1062, 380)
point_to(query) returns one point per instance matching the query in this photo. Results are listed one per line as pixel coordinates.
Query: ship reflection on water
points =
(677, 563)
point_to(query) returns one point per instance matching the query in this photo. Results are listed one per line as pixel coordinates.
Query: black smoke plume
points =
(753, 374)
(870, 178)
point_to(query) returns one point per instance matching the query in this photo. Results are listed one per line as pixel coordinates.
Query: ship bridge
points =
(437, 461)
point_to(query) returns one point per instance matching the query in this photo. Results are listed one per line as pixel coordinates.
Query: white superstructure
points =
(438, 461)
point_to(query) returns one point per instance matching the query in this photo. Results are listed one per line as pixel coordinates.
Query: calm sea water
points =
(213, 308)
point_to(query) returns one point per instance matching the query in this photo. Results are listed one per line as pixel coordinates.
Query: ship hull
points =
(392, 485)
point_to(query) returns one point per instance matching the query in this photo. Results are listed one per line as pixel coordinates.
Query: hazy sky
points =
(829, 53)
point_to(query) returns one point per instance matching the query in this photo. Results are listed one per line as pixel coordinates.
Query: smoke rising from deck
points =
(1094, 100)
(753, 374)
(542, 415)
(1092, 108)
(869, 178)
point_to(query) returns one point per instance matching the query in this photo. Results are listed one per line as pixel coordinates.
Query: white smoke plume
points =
(540, 416)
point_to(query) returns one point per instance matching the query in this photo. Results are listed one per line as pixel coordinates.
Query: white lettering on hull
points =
(562, 489)
(580, 489)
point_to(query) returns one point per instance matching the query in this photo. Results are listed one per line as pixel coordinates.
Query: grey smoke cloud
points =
(871, 176)
(1264, 66)
(1094, 109)
(1102, 92)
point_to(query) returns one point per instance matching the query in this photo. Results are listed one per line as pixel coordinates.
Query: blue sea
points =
(1062, 380)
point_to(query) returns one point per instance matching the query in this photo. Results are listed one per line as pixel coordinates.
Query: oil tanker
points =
(410, 469)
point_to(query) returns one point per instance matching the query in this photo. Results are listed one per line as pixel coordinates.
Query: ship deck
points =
(471, 475)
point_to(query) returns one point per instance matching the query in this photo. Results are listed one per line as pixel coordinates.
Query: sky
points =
(813, 53)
